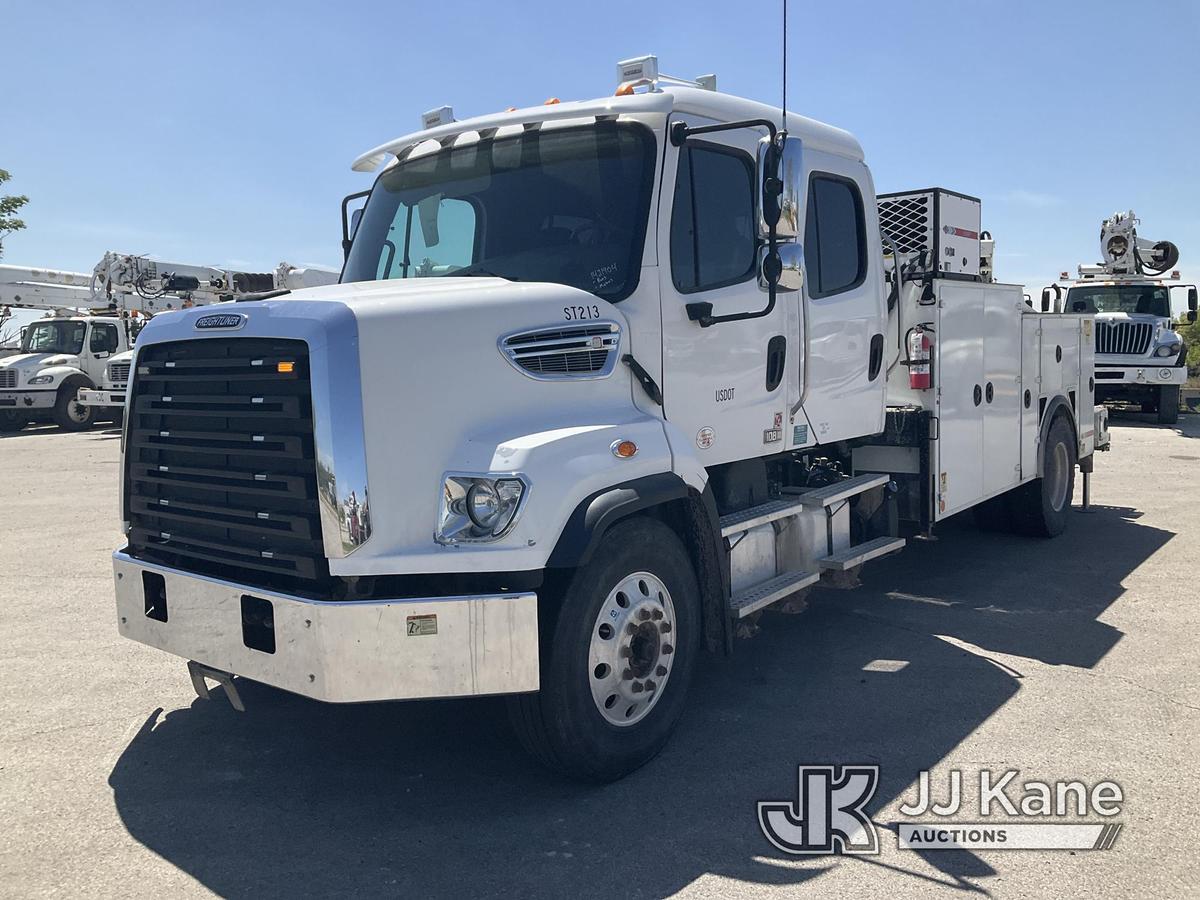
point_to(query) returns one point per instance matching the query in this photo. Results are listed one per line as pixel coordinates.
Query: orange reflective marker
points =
(286, 367)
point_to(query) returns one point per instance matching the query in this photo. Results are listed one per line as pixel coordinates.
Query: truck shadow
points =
(295, 797)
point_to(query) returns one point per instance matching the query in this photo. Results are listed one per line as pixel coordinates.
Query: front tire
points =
(1040, 507)
(1168, 404)
(616, 669)
(68, 413)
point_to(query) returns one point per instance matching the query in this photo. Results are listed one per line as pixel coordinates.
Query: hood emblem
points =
(221, 320)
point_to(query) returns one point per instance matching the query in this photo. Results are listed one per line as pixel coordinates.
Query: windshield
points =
(1142, 299)
(54, 337)
(566, 206)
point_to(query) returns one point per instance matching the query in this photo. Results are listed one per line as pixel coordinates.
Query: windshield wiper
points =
(478, 271)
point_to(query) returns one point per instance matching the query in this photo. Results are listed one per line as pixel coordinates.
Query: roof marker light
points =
(551, 101)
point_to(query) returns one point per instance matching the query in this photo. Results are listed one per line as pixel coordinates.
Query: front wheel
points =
(68, 413)
(616, 669)
(1168, 404)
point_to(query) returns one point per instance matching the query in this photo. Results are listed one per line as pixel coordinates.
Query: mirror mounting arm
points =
(701, 312)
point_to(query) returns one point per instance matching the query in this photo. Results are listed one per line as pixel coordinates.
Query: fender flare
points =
(1053, 408)
(596, 513)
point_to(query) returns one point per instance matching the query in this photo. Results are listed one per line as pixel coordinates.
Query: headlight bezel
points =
(457, 520)
(1172, 349)
(40, 379)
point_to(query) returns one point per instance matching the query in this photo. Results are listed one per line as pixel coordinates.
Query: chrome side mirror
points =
(788, 167)
(787, 266)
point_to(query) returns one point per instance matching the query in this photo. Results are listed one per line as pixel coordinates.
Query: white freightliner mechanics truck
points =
(579, 406)
(72, 366)
(1140, 357)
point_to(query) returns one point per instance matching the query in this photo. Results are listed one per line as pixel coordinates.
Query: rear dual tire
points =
(618, 661)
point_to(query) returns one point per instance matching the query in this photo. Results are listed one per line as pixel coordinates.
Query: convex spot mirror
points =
(785, 266)
(780, 188)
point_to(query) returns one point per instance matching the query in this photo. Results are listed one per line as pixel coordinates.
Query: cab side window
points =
(104, 338)
(712, 221)
(835, 236)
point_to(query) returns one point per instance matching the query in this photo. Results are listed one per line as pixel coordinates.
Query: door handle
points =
(875, 361)
(776, 361)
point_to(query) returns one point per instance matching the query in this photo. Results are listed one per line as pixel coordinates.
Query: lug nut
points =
(643, 614)
(667, 649)
(651, 686)
(637, 687)
(625, 653)
(665, 627)
(626, 674)
(660, 671)
(658, 614)
(631, 628)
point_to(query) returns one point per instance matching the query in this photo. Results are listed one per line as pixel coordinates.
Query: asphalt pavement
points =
(1073, 658)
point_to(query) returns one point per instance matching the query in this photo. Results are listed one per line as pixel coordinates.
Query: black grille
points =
(220, 473)
(563, 351)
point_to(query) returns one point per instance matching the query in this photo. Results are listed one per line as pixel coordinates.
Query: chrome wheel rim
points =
(632, 649)
(1059, 476)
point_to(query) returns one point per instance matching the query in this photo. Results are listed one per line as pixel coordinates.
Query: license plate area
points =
(258, 623)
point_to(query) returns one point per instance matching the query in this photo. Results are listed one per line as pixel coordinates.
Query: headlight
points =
(477, 508)
(41, 379)
(1169, 349)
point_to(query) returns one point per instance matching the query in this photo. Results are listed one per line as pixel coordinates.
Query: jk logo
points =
(828, 816)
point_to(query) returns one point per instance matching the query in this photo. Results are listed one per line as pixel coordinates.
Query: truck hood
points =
(28, 362)
(436, 391)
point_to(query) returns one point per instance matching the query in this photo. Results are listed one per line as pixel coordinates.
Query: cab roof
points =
(662, 101)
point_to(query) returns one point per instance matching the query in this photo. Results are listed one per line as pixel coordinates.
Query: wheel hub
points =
(632, 648)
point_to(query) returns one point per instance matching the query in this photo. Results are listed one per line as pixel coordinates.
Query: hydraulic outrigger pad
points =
(201, 675)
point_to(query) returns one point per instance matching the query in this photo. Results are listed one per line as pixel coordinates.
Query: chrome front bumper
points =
(1144, 373)
(339, 652)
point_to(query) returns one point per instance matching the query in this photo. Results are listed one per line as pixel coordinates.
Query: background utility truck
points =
(602, 409)
(72, 366)
(1140, 357)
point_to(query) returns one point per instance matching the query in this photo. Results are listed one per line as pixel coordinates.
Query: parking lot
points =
(1071, 658)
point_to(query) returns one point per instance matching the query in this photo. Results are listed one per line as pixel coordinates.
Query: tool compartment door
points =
(958, 480)
(1001, 388)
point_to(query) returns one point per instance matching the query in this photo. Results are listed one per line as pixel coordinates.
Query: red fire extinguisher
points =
(920, 345)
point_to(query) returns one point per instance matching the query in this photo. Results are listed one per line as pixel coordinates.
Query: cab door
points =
(727, 386)
(103, 339)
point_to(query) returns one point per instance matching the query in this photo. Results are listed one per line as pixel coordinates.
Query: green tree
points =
(9, 207)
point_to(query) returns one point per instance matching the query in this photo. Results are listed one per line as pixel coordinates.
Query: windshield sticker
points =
(604, 277)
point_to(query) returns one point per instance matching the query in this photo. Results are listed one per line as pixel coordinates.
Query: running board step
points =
(843, 490)
(752, 599)
(745, 519)
(860, 553)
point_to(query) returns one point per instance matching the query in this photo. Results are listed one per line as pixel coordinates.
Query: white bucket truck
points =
(72, 366)
(1140, 357)
(579, 406)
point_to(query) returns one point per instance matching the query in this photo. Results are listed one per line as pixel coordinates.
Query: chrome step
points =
(752, 599)
(745, 519)
(843, 490)
(860, 553)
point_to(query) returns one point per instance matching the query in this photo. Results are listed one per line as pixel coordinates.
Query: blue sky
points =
(223, 132)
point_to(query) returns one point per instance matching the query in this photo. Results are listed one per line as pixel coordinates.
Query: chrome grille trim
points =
(1123, 338)
(563, 352)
